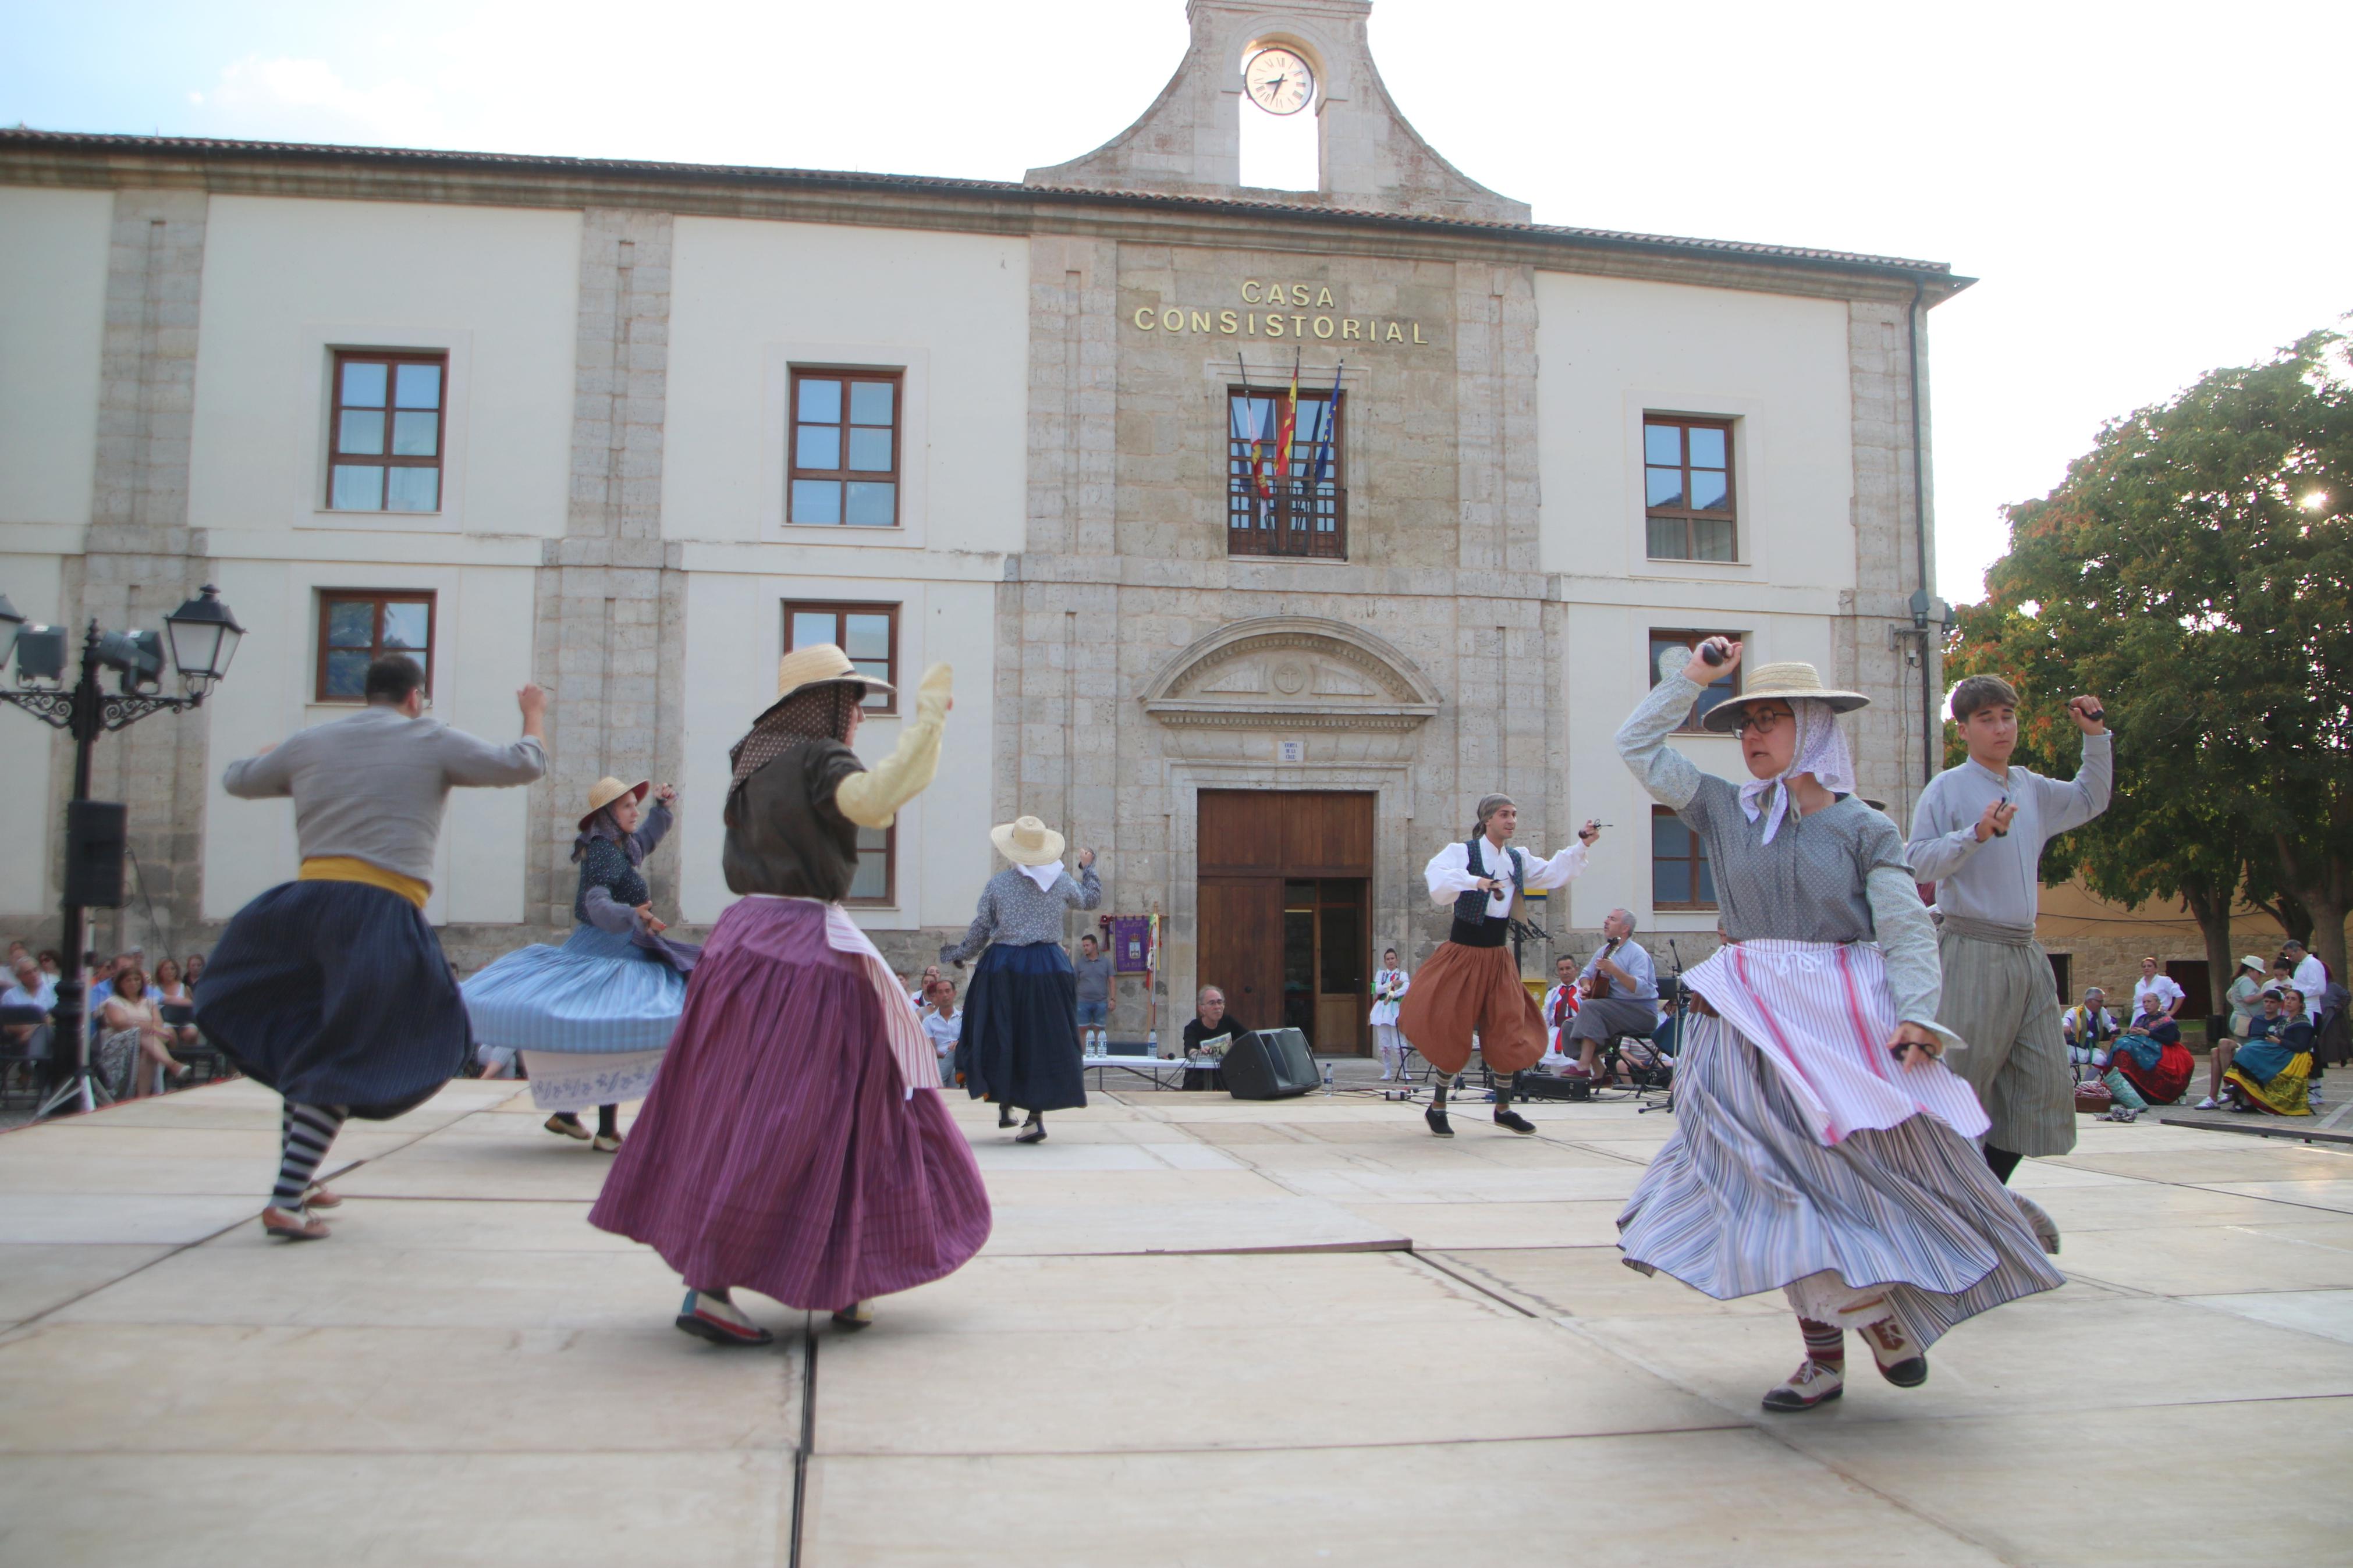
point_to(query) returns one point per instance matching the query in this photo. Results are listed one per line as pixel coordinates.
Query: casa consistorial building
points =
(635, 430)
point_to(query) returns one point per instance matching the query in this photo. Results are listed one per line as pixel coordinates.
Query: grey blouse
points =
(1016, 911)
(1837, 876)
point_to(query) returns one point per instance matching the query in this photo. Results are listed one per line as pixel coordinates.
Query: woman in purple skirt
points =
(795, 1142)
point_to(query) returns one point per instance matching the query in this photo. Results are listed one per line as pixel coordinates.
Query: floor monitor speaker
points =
(1270, 1064)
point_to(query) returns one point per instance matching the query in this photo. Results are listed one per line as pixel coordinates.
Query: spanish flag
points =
(1284, 430)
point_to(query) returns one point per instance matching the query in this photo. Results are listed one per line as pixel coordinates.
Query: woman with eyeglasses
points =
(1821, 1146)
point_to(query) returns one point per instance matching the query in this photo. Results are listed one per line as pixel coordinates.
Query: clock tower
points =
(1289, 57)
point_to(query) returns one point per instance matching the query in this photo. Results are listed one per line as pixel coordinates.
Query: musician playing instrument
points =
(1620, 988)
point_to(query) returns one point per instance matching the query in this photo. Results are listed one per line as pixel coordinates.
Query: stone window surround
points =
(319, 342)
(1750, 420)
(379, 597)
(779, 359)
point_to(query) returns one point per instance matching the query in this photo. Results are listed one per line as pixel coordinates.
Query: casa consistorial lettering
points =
(1298, 311)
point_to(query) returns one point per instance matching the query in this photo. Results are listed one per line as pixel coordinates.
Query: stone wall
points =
(141, 561)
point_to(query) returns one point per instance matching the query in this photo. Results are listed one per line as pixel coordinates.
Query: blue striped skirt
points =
(598, 994)
(1745, 1198)
(335, 993)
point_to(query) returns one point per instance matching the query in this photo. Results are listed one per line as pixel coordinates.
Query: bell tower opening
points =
(1280, 100)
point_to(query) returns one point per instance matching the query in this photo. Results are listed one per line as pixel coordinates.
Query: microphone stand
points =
(1675, 1009)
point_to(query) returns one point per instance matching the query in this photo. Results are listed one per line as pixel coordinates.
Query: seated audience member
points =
(31, 989)
(2151, 1057)
(172, 991)
(1212, 1022)
(15, 951)
(2087, 1029)
(2264, 1026)
(193, 969)
(943, 1026)
(136, 1051)
(52, 965)
(2272, 1074)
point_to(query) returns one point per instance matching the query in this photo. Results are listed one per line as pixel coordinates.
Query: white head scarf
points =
(1045, 875)
(1820, 750)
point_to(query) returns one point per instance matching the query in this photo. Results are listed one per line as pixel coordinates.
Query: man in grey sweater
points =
(332, 989)
(1978, 834)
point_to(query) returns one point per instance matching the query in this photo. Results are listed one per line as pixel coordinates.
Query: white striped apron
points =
(1821, 1014)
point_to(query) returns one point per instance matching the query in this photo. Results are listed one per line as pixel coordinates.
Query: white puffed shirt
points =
(1449, 873)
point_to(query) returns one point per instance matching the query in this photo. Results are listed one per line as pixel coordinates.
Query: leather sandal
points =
(286, 1226)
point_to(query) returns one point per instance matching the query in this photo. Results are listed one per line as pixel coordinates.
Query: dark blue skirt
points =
(1021, 1039)
(335, 993)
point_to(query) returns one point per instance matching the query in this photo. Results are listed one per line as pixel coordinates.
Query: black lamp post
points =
(202, 637)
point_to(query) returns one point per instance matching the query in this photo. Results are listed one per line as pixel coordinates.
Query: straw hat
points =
(819, 664)
(1788, 681)
(605, 791)
(1026, 841)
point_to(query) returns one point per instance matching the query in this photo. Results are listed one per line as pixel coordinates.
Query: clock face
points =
(1279, 81)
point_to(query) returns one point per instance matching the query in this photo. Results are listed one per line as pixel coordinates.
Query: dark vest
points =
(1472, 926)
(604, 864)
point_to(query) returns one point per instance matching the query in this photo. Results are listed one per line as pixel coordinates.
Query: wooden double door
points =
(1285, 910)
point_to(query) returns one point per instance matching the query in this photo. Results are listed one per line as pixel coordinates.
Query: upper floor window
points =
(845, 449)
(1669, 651)
(358, 626)
(1687, 488)
(868, 633)
(385, 444)
(876, 880)
(1680, 877)
(1274, 506)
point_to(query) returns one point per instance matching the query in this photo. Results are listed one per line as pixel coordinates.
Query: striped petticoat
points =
(590, 1018)
(1901, 1220)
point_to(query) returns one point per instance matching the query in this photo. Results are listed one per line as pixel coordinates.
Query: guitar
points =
(1596, 985)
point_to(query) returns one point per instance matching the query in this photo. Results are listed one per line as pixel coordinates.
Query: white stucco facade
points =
(618, 342)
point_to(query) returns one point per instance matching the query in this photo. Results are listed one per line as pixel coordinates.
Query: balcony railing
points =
(1299, 518)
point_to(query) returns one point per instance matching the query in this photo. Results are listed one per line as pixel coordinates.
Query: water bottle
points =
(1152, 1042)
(1328, 1078)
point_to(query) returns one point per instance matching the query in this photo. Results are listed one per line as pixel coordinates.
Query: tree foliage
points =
(2196, 569)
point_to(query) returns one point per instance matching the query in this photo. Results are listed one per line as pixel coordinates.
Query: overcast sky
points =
(2146, 191)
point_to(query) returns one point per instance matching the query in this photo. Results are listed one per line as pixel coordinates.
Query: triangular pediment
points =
(1291, 672)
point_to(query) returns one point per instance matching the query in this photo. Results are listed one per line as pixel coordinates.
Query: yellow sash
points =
(344, 868)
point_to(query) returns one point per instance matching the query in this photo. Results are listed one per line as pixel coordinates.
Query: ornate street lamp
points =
(203, 638)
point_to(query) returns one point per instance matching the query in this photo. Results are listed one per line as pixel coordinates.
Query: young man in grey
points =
(1093, 967)
(1978, 834)
(332, 988)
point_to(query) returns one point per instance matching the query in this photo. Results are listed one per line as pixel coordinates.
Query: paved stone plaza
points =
(1204, 1332)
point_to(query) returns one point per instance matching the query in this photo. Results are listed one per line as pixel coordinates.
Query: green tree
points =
(2196, 569)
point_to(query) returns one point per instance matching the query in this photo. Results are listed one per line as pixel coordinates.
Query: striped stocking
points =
(304, 1132)
(1825, 1343)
